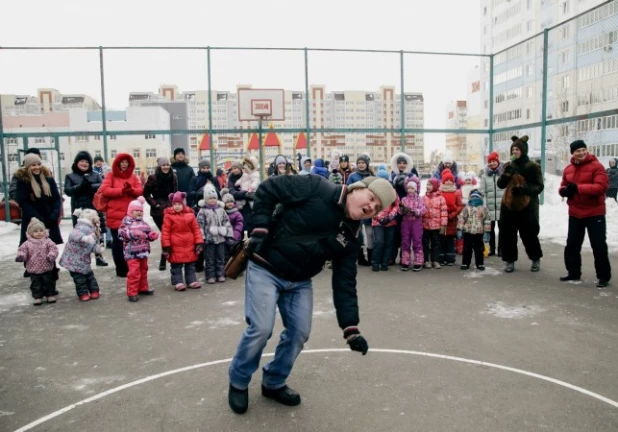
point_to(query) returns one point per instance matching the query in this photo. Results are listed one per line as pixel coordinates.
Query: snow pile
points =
(6, 227)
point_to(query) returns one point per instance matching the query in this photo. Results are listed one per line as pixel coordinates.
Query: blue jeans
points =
(264, 292)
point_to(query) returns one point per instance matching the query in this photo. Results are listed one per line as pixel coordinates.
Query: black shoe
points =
(26, 274)
(417, 268)
(450, 264)
(283, 395)
(238, 399)
(480, 267)
(108, 245)
(149, 292)
(384, 268)
(510, 267)
(162, 264)
(101, 262)
(464, 267)
(569, 277)
(56, 292)
(375, 268)
(405, 267)
(536, 266)
(602, 283)
(133, 299)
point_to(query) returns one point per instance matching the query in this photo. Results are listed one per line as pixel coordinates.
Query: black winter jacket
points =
(184, 174)
(81, 187)
(309, 205)
(157, 190)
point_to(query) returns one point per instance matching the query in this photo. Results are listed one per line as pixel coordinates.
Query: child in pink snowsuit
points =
(413, 209)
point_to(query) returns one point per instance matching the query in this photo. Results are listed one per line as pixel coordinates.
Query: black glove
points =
(355, 340)
(572, 189)
(509, 170)
(256, 240)
(85, 183)
(250, 195)
(564, 192)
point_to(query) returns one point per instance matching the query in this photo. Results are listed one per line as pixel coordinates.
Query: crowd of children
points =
(425, 226)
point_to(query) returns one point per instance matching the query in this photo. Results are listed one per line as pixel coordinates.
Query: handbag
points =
(99, 201)
(237, 263)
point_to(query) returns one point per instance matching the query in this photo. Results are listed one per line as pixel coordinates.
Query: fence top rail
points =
(230, 48)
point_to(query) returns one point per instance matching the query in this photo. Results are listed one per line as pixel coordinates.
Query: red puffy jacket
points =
(592, 182)
(181, 232)
(113, 186)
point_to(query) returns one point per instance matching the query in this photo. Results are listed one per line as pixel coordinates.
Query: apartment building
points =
(337, 109)
(582, 65)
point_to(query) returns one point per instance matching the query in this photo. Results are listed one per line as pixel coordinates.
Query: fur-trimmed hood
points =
(249, 162)
(22, 173)
(116, 165)
(396, 156)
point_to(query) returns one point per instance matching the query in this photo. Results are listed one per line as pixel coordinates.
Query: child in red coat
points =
(136, 236)
(454, 206)
(181, 241)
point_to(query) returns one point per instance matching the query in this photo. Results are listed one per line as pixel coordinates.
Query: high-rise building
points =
(457, 118)
(582, 66)
(47, 100)
(339, 109)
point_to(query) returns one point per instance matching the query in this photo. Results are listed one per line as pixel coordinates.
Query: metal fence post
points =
(5, 174)
(213, 163)
(491, 103)
(544, 106)
(307, 117)
(402, 106)
(103, 114)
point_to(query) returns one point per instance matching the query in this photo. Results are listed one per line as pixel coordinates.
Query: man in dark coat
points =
(584, 183)
(519, 211)
(316, 220)
(184, 173)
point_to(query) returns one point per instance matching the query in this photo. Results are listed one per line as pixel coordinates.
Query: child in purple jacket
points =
(39, 253)
(413, 209)
(234, 215)
(136, 236)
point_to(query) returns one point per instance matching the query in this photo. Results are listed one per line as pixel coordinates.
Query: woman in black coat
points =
(37, 195)
(157, 189)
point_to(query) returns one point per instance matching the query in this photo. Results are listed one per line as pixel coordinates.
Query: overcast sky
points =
(446, 26)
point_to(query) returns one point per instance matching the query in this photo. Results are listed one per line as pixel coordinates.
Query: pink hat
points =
(178, 197)
(435, 183)
(137, 204)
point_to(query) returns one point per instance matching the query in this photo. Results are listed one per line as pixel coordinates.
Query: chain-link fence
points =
(555, 87)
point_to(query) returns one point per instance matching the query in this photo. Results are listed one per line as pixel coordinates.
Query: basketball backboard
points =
(254, 104)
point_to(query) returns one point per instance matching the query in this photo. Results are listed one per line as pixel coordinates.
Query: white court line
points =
(318, 351)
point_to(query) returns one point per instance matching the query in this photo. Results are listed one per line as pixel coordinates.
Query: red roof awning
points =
(301, 141)
(205, 142)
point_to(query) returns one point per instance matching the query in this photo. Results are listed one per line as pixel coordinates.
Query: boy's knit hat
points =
(447, 175)
(35, 223)
(177, 197)
(88, 214)
(204, 163)
(137, 204)
(98, 158)
(228, 197)
(577, 144)
(209, 192)
(475, 193)
(380, 187)
(363, 158)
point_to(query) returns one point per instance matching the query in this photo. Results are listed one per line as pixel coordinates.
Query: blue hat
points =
(382, 173)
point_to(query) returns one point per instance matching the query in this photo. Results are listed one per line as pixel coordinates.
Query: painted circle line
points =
(318, 351)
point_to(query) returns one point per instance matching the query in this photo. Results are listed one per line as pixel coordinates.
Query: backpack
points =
(99, 201)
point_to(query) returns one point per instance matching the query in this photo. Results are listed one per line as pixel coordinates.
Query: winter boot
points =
(283, 395)
(162, 263)
(536, 266)
(569, 277)
(101, 261)
(238, 399)
(510, 267)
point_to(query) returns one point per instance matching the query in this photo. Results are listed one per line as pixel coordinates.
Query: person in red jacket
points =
(120, 186)
(181, 241)
(584, 183)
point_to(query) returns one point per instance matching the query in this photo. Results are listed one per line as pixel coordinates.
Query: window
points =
(39, 140)
(565, 106)
(112, 137)
(13, 158)
(151, 153)
(136, 153)
(528, 114)
(529, 25)
(10, 141)
(97, 137)
(81, 138)
(484, 10)
(97, 153)
(566, 31)
(566, 82)
(530, 70)
(565, 7)
(61, 155)
(136, 171)
(528, 4)
(113, 153)
(565, 56)
(150, 136)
